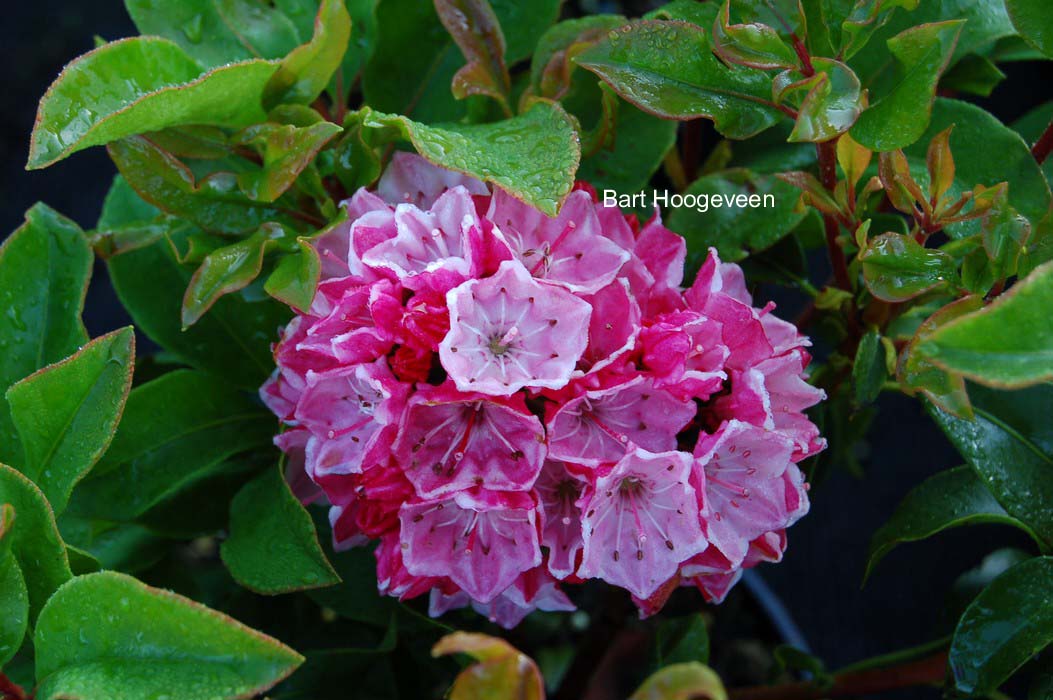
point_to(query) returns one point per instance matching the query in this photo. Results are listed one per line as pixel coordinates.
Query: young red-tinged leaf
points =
(14, 596)
(667, 68)
(1007, 344)
(553, 63)
(900, 117)
(66, 413)
(305, 73)
(750, 44)
(813, 192)
(295, 277)
(138, 85)
(916, 373)
(501, 671)
(898, 268)
(853, 158)
(273, 547)
(176, 430)
(828, 102)
(477, 32)
(1009, 445)
(686, 681)
(533, 156)
(44, 270)
(940, 163)
(902, 190)
(215, 203)
(108, 625)
(949, 499)
(286, 152)
(1008, 623)
(32, 540)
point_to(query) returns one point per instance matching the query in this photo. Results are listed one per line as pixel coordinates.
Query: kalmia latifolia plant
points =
(423, 396)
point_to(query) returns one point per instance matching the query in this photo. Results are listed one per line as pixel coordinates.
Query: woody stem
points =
(1044, 145)
(828, 176)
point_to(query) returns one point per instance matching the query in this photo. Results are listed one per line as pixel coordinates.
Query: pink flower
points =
(509, 403)
(510, 331)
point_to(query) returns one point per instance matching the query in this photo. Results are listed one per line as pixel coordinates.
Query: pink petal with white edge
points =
(510, 331)
(481, 541)
(641, 521)
(745, 491)
(558, 492)
(599, 426)
(453, 442)
(393, 578)
(570, 249)
(533, 590)
(410, 179)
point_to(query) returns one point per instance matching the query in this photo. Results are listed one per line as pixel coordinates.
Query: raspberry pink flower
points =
(505, 404)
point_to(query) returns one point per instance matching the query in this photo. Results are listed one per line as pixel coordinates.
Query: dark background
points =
(903, 604)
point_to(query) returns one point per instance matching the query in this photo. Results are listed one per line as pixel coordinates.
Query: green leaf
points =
(1008, 623)
(640, 144)
(273, 547)
(217, 33)
(974, 74)
(304, 74)
(897, 268)
(863, 20)
(950, 499)
(682, 639)
(751, 44)
(412, 67)
(1032, 19)
(744, 213)
(286, 152)
(533, 156)
(870, 368)
(67, 413)
(14, 596)
(828, 102)
(1010, 445)
(295, 277)
(986, 152)
(1007, 344)
(34, 541)
(216, 204)
(107, 625)
(900, 117)
(138, 85)
(177, 430)
(688, 681)
(44, 270)
(667, 69)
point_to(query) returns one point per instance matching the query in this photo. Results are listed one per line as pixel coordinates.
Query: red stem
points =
(1044, 145)
(10, 691)
(926, 671)
(828, 175)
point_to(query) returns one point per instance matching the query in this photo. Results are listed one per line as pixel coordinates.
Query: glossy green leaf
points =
(916, 373)
(1009, 622)
(67, 413)
(828, 102)
(533, 156)
(640, 143)
(1007, 344)
(666, 68)
(986, 152)
(750, 43)
(1010, 445)
(44, 270)
(304, 74)
(950, 499)
(14, 596)
(215, 203)
(304, 13)
(177, 430)
(295, 277)
(687, 681)
(412, 68)
(286, 151)
(107, 625)
(273, 547)
(33, 541)
(1034, 22)
(744, 213)
(552, 65)
(858, 25)
(124, 547)
(217, 32)
(974, 74)
(138, 85)
(897, 268)
(900, 117)
(870, 369)
(682, 639)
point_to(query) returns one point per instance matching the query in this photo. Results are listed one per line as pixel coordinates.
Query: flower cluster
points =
(509, 402)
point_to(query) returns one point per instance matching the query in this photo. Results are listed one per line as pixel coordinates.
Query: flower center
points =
(631, 486)
(499, 345)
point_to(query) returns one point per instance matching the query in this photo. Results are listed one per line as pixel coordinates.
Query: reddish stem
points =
(828, 175)
(1044, 145)
(10, 691)
(691, 149)
(926, 671)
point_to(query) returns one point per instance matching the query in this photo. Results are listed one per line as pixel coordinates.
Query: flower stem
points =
(1044, 145)
(10, 691)
(828, 176)
(928, 670)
